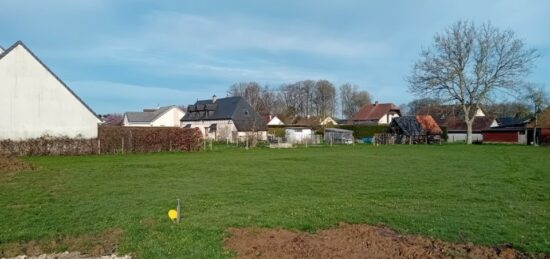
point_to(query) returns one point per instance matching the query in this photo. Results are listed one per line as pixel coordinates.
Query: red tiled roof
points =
(371, 112)
(428, 124)
(457, 124)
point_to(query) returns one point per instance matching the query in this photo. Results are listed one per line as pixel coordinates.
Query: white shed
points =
(35, 102)
(299, 135)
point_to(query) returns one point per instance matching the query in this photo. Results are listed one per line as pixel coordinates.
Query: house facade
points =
(168, 116)
(376, 114)
(230, 119)
(35, 102)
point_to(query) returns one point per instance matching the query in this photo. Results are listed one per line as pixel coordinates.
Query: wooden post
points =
(99, 146)
(122, 146)
(178, 212)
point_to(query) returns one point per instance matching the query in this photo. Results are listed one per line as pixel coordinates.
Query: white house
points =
(35, 102)
(275, 121)
(168, 116)
(230, 118)
(376, 113)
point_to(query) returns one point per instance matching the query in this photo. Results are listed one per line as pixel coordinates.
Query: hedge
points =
(364, 131)
(111, 139)
(120, 139)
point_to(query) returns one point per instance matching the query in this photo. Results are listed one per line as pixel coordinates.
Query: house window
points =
(245, 112)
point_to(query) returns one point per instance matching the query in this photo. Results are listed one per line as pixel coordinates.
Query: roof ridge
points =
(20, 43)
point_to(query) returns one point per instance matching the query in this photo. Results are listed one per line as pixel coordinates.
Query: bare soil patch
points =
(354, 241)
(12, 164)
(89, 245)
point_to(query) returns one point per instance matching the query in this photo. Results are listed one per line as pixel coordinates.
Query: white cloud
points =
(194, 32)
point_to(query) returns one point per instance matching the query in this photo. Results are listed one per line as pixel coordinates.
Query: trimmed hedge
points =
(49, 146)
(119, 139)
(111, 139)
(364, 131)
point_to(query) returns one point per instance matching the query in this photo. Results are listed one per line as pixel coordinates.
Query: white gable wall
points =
(34, 103)
(275, 121)
(171, 118)
(387, 118)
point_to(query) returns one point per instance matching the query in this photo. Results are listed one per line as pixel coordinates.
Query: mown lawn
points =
(486, 194)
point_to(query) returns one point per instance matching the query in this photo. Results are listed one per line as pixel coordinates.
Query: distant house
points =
(314, 121)
(507, 130)
(274, 121)
(506, 122)
(35, 102)
(230, 118)
(376, 114)
(168, 116)
(457, 129)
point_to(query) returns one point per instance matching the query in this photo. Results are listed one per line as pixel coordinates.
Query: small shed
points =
(299, 135)
(415, 129)
(513, 135)
(340, 136)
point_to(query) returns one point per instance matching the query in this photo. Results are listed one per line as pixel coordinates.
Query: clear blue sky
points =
(126, 55)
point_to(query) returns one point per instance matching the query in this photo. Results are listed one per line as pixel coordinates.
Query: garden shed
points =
(299, 135)
(341, 136)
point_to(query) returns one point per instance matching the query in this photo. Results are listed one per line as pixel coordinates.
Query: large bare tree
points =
(351, 99)
(469, 64)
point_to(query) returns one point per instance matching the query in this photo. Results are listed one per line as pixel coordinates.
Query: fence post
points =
(122, 146)
(99, 146)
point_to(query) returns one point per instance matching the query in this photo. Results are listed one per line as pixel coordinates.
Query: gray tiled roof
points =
(234, 108)
(147, 116)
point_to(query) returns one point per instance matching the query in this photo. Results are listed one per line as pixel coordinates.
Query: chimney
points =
(214, 98)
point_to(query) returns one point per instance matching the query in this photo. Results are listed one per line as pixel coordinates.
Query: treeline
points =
(433, 106)
(304, 98)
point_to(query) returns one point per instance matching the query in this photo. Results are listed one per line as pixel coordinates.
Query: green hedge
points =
(363, 131)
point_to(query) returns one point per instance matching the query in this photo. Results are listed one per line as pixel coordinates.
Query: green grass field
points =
(486, 194)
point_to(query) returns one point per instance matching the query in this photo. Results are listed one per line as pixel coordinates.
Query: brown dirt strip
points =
(13, 164)
(89, 245)
(355, 241)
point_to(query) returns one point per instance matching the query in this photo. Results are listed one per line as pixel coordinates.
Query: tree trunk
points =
(469, 131)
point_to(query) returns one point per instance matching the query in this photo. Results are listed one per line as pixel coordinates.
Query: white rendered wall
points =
(169, 119)
(387, 118)
(275, 121)
(461, 137)
(225, 130)
(34, 103)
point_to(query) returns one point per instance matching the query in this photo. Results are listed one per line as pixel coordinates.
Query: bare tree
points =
(538, 99)
(250, 91)
(351, 99)
(324, 98)
(423, 106)
(468, 64)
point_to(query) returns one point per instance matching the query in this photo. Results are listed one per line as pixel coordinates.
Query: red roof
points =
(370, 112)
(458, 124)
(428, 124)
